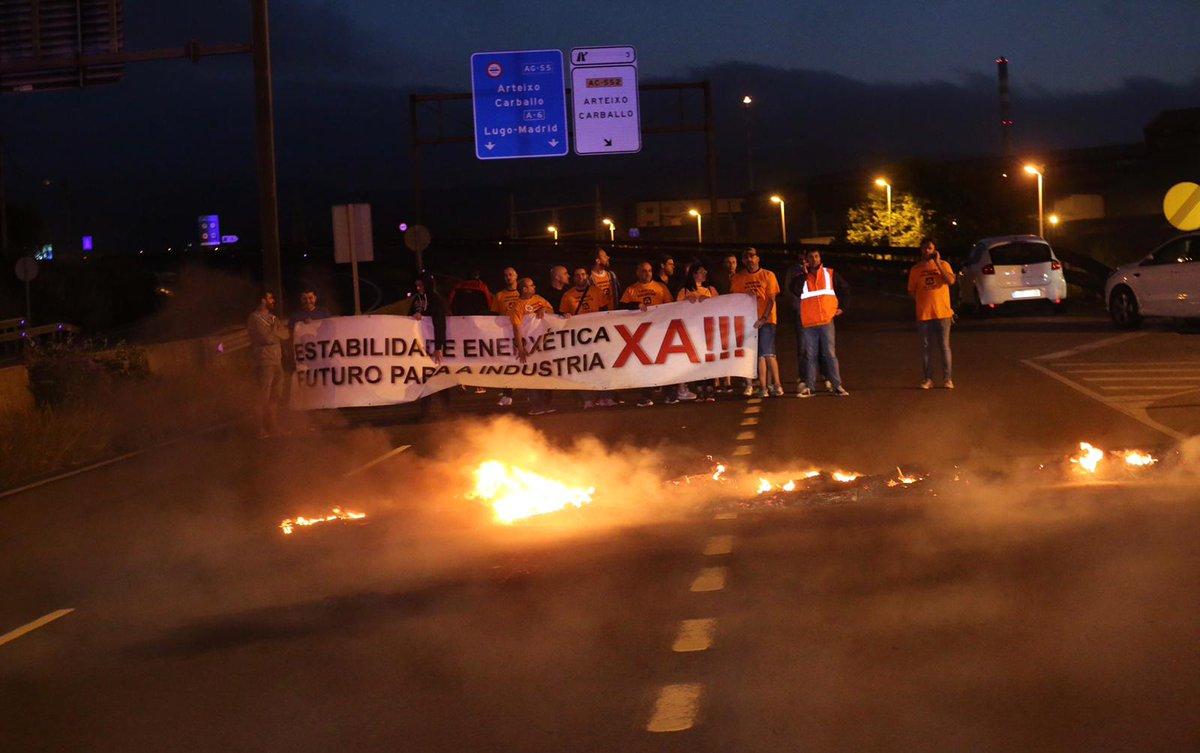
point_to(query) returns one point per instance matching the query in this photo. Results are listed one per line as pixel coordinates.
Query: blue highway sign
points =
(520, 104)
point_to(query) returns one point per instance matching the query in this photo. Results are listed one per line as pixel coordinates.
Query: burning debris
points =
(289, 525)
(515, 493)
(1091, 460)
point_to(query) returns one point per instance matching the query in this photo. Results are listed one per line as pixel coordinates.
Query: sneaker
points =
(683, 393)
(748, 391)
(480, 391)
(949, 384)
(762, 392)
(828, 386)
(670, 399)
(505, 401)
(710, 399)
(801, 387)
(926, 384)
(645, 402)
(806, 392)
(606, 402)
(589, 404)
(841, 392)
(775, 390)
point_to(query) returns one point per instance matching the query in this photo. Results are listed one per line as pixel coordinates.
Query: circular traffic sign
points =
(1181, 205)
(417, 238)
(26, 268)
(494, 70)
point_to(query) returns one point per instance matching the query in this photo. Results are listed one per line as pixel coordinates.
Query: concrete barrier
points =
(14, 390)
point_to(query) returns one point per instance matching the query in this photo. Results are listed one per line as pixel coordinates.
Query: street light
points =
(699, 225)
(747, 100)
(1035, 170)
(782, 216)
(554, 230)
(882, 183)
(612, 229)
(1053, 219)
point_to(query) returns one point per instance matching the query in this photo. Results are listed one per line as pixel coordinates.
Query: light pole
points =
(1035, 170)
(553, 230)
(612, 229)
(747, 100)
(882, 183)
(699, 225)
(782, 216)
(1053, 219)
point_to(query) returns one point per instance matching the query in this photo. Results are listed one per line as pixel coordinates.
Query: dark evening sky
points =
(1069, 45)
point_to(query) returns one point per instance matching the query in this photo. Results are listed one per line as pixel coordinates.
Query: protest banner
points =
(380, 360)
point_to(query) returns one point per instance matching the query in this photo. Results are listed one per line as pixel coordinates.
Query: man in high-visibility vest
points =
(822, 294)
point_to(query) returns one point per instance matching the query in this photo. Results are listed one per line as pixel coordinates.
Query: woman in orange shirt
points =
(695, 289)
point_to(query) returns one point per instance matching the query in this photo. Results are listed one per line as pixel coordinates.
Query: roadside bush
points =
(72, 372)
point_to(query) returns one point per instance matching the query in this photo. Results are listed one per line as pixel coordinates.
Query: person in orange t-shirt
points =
(504, 303)
(762, 284)
(530, 304)
(643, 294)
(929, 283)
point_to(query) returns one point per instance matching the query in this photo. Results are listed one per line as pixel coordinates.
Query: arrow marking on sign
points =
(553, 142)
(608, 142)
(489, 146)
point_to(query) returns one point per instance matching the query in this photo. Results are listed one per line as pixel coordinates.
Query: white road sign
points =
(604, 95)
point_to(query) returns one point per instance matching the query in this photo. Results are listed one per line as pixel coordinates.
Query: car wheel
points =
(981, 310)
(1123, 308)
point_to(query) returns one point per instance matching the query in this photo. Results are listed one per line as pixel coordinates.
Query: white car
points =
(1011, 268)
(1165, 283)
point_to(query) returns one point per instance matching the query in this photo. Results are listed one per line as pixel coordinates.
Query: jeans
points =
(819, 344)
(935, 332)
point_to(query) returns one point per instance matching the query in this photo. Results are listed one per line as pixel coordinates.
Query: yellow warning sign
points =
(1181, 205)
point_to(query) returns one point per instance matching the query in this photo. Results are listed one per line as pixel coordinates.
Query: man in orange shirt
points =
(504, 303)
(641, 295)
(582, 297)
(529, 303)
(929, 284)
(761, 283)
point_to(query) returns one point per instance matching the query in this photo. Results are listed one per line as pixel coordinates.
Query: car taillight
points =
(988, 269)
(1055, 264)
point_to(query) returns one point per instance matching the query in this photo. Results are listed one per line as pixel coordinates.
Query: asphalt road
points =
(1014, 608)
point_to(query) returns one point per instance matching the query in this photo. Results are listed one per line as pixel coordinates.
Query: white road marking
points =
(750, 409)
(390, 453)
(754, 400)
(725, 516)
(1136, 411)
(1092, 346)
(744, 436)
(742, 449)
(694, 635)
(675, 708)
(722, 544)
(709, 579)
(12, 635)
(1152, 388)
(749, 421)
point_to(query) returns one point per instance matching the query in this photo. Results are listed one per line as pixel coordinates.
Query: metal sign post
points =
(27, 269)
(353, 241)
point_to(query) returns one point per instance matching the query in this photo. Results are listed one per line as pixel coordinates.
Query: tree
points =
(871, 224)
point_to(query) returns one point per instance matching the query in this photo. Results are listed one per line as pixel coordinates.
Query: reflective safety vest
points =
(818, 302)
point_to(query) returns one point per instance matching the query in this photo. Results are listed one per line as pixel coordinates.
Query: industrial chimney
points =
(1005, 110)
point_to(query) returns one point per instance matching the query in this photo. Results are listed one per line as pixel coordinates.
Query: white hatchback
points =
(1165, 283)
(1011, 268)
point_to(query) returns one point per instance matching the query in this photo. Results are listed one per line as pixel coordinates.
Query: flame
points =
(1138, 458)
(764, 486)
(1089, 457)
(845, 476)
(901, 478)
(789, 486)
(515, 493)
(289, 524)
(718, 472)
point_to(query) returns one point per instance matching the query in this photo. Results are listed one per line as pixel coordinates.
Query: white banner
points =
(379, 360)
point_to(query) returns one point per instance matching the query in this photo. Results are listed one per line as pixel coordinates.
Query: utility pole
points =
(3, 208)
(264, 138)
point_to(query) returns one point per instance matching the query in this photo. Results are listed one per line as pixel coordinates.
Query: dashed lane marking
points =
(744, 436)
(718, 545)
(749, 421)
(675, 708)
(751, 409)
(754, 400)
(725, 516)
(709, 579)
(742, 449)
(12, 635)
(695, 635)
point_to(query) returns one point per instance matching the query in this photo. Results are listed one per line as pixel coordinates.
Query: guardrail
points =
(15, 335)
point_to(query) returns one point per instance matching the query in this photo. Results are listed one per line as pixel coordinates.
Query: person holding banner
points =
(427, 303)
(266, 332)
(584, 298)
(504, 303)
(641, 295)
(762, 285)
(530, 304)
(604, 278)
(695, 289)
